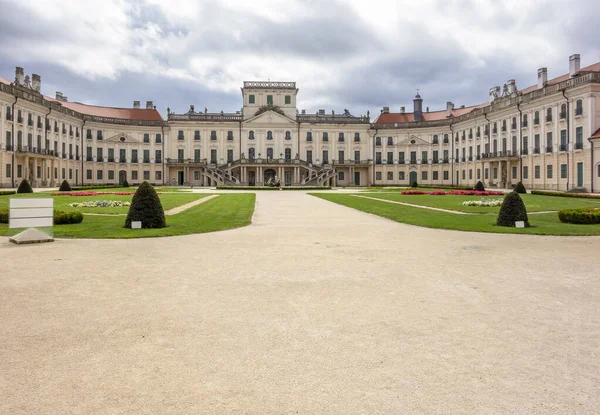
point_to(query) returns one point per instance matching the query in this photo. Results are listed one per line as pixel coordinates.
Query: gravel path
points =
(187, 206)
(314, 308)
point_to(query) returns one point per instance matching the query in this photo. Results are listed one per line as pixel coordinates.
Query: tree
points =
(24, 187)
(520, 188)
(125, 184)
(512, 210)
(479, 186)
(414, 184)
(64, 187)
(146, 208)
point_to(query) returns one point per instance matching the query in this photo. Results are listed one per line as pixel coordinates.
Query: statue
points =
(297, 156)
(168, 110)
(243, 156)
(332, 112)
(368, 114)
(346, 112)
(27, 81)
(205, 110)
(505, 90)
(191, 109)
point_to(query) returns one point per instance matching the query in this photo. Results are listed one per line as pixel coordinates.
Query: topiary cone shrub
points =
(146, 207)
(24, 187)
(479, 187)
(125, 184)
(512, 210)
(64, 187)
(414, 184)
(520, 188)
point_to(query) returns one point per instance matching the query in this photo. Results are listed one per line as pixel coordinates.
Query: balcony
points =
(111, 159)
(548, 149)
(89, 158)
(401, 161)
(524, 152)
(563, 115)
(548, 118)
(578, 112)
(563, 147)
(413, 161)
(122, 160)
(134, 160)
(578, 145)
(536, 150)
(424, 162)
(500, 154)
(147, 161)
(536, 121)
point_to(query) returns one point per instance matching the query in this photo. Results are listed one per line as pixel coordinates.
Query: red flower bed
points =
(452, 192)
(92, 193)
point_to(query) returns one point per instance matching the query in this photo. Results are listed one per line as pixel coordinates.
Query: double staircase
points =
(318, 176)
(221, 175)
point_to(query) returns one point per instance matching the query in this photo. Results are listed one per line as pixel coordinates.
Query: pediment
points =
(413, 140)
(270, 117)
(122, 138)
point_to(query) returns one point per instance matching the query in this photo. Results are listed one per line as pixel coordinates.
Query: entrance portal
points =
(412, 178)
(269, 174)
(252, 178)
(122, 176)
(288, 178)
(180, 178)
(356, 178)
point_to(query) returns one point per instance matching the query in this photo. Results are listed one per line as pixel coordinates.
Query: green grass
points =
(534, 203)
(226, 211)
(541, 224)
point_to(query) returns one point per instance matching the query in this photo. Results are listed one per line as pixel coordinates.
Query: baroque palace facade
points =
(547, 135)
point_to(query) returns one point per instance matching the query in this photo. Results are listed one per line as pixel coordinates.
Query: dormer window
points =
(251, 99)
(356, 137)
(147, 138)
(213, 135)
(288, 135)
(269, 135)
(197, 135)
(250, 135)
(309, 136)
(579, 107)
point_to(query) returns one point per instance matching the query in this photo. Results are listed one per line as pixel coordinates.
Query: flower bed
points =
(484, 203)
(92, 193)
(564, 194)
(100, 203)
(583, 216)
(452, 192)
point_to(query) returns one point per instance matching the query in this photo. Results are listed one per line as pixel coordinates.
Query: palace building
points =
(547, 135)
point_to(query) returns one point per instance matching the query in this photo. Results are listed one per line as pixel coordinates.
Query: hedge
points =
(520, 188)
(7, 192)
(24, 187)
(100, 186)
(273, 188)
(146, 208)
(512, 210)
(60, 217)
(562, 194)
(65, 187)
(447, 187)
(582, 216)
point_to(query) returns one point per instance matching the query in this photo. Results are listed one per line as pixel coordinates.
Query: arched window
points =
(251, 151)
(89, 134)
(563, 111)
(579, 107)
(548, 114)
(445, 138)
(536, 118)
(514, 123)
(524, 120)
(19, 117)
(288, 153)
(288, 135)
(269, 152)
(251, 135)
(19, 139)
(495, 147)
(504, 144)
(270, 137)
(29, 140)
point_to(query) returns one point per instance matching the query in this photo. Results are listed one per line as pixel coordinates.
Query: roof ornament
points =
(205, 110)
(27, 82)
(368, 114)
(168, 110)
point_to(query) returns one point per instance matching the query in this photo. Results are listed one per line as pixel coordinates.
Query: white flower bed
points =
(484, 203)
(100, 203)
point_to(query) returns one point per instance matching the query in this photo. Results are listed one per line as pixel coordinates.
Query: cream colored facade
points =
(546, 135)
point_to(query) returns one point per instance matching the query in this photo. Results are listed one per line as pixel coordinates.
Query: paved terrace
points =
(314, 308)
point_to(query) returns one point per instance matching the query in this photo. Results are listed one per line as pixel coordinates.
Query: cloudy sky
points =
(354, 54)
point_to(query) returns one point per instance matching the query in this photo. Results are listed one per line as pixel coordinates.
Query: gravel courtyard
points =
(314, 308)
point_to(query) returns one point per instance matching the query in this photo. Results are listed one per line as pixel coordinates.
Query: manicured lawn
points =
(541, 224)
(226, 211)
(534, 203)
(168, 200)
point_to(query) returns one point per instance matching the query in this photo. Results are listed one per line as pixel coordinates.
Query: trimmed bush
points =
(64, 187)
(7, 192)
(146, 207)
(125, 184)
(512, 210)
(67, 218)
(582, 216)
(24, 187)
(520, 188)
(578, 190)
(479, 187)
(3, 216)
(414, 184)
(562, 194)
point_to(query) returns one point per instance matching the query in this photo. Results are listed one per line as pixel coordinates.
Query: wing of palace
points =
(547, 135)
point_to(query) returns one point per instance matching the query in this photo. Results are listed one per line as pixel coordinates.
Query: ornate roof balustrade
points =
(269, 84)
(205, 117)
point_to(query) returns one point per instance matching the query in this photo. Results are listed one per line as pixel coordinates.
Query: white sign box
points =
(520, 224)
(136, 224)
(31, 213)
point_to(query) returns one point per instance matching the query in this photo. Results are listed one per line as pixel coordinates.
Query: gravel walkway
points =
(314, 308)
(187, 206)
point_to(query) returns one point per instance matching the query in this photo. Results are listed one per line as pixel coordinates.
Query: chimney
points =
(149, 105)
(418, 107)
(462, 106)
(136, 105)
(512, 86)
(385, 110)
(427, 109)
(65, 99)
(303, 112)
(542, 77)
(19, 75)
(59, 96)
(402, 110)
(449, 108)
(574, 64)
(36, 82)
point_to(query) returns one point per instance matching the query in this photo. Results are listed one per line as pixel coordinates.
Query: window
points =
(486, 173)
(197, 135)
(213, 135)
(356, 137)
(357, 156)
(325, 136)
(99, 135)
(180, 154)
(146, 175)
(251, 153)
(230, 135)
(111, 155)
(390, 175)
(390, 141)
(250, 135)
(88, 174)
(525, 172)
(341, 176)
(470, 174)
(146, 156)
(377, 141)
(563, 171)
(99, 174)
(378, 175)
(514, 143)
(325, 157)
(514, 172)
(401, 175)
(378, 157)
(157, 156)
(88, 154)
(435, 156)
(524, 120)
(401, 157)
(390, 157)
(269, 135)
(111, 175)
(536, 118)
(88, 134)
(563, 140)
(197, 175)
(549, 114)
(503, 125)
(147, 137)
(579, 138)
(134, 156)
(341, 156)
(536, 172)
(270, 153)
(288, 99)
(424, 157)
(251, 99)
(309, 136)
(20, 171)
(424, 175)
(579, 107)
(478, 174)
(196, 155)
(435, 139)
(158, 175)
(549, 142)
(134, 175)
(435, 175)
(56, 172)
(288, 135)
(99, 155)
(463, 174)
(229, 155)
(269, 99)
(549, 171)
(536, 144)
(563, 111)
(341, 137)
(495, 170)
(158, 138)
(309, 156)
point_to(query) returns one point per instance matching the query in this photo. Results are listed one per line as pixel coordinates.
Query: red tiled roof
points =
(5, 81)
(596, 134)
